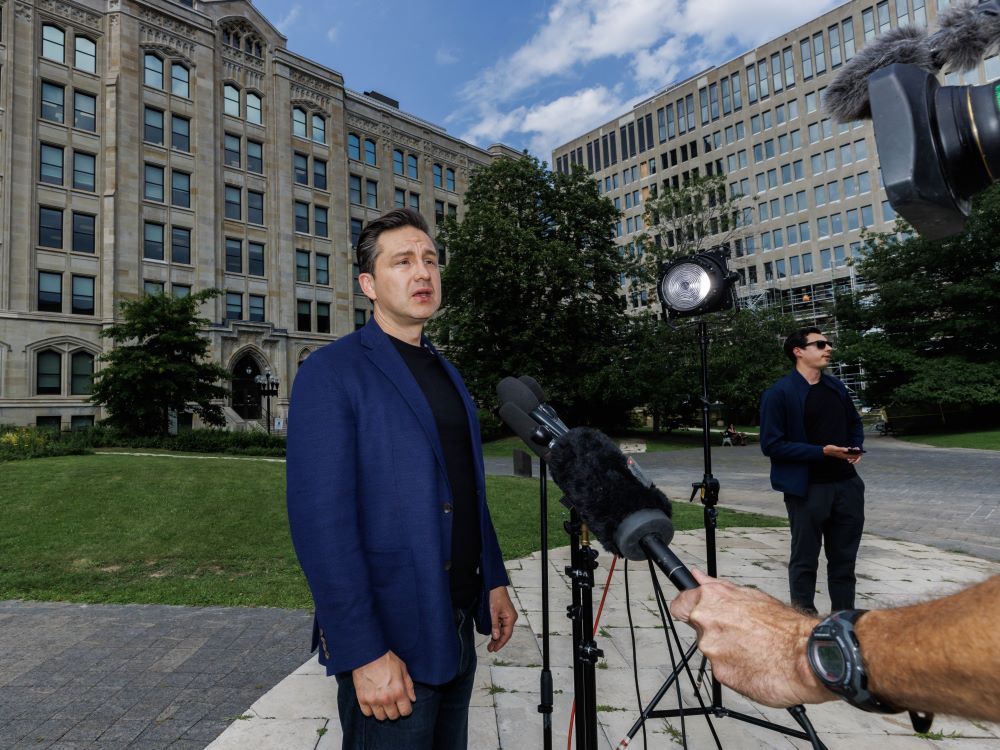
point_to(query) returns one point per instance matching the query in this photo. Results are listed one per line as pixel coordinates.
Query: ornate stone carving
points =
(311, 82)
(154, 38)
(241, 58)
(23, 11)
(71, 12)
(160, 21)
(363, 123)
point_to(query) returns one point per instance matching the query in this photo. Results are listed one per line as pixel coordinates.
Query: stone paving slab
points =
(300, 712)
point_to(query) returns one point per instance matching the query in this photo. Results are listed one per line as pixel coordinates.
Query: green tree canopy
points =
(158, 364)
(532, 287)
(925, 331)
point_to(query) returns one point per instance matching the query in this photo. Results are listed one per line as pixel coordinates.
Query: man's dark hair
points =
(798, 339)
(368, 239)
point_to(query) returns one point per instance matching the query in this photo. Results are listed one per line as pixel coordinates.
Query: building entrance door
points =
(245, 391)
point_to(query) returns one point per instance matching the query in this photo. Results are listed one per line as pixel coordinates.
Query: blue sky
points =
(528, 73)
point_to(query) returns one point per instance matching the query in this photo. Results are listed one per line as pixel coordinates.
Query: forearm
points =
(942, 656)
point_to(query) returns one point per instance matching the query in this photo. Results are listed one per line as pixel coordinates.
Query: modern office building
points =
(149, 146)
(810, 184)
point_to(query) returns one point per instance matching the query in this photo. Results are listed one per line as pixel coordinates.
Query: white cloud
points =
(284, 24)
(445, 57)
(331, 33)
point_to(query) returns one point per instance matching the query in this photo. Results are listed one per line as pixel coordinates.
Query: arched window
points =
(353, 147)
(370, 157)
(53, 43)
(303, 356)
(319, 129)
(48, 373)
(81, 374)
(397, 161)
(299, 122)
(86, 55)
(231, 96)
(153, 71)
(255, 108)
(180, 80)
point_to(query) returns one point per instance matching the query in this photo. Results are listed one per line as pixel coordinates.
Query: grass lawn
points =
(672, 441)
(178, 531)
(984, 439)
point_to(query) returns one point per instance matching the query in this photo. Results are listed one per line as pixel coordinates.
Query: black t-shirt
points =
(453, 428)
(826, 424)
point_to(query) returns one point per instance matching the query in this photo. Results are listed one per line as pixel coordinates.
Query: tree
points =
(158, 365)
(532, 287)
(925, 332)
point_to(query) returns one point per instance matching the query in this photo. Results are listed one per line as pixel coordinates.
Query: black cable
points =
(635, 655)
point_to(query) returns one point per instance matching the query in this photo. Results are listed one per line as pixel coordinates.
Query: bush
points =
(490, 426)
(17, 443)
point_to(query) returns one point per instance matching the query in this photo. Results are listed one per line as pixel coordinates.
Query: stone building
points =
(156, 146)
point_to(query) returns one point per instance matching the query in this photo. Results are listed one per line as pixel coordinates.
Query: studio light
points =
(696, 285)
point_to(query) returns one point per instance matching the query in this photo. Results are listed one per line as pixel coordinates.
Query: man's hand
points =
(384, 688)
(836, 451)
(757, 645)
(503, 616)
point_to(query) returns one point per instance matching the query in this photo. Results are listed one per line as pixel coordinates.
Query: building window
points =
(353, 147)
(49, 291)
(180, 133)
(53, 102)
(180, 80)
(438, 212)
(84, 112)
(411, 167)
(83, 295)
(438, 176)
(320, 221)
(81, 379)
(51, 164)
(152, 241)
(231, 100)
(302, 266)
(84, 170)
(255, 207)
(234, 202)
(231, 145)
(180, 291)
(303, 317)
(371, 193)
(83, 232)
(152, 129)
(415, 201)
(298, 122)
(256, 308)
(153, 71)
(397, 162)
(153, 183)
(322, 317)
(449, 179)
(301, 217)
(152, 288)
(356, 227)
(399, 198)
(255, 157)
(322, 269)
(234, 306)
(319, 174)
(48, 373)
(255, 109)
(234, 255)
(53, 43)
(370, 154)
(300, 166)
(319, 129)
(255, 259)
(86, 55)
(180, 245)
(50, 228)
(359, 319)
(180, 189)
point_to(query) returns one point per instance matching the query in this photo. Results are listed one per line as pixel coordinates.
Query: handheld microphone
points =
(536, 389)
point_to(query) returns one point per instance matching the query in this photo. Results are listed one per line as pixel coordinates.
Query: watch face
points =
(831, 661)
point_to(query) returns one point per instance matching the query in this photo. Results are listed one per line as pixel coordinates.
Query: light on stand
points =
(696, 285)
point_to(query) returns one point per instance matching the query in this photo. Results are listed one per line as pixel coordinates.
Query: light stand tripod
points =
(709, 487)
(583, 560)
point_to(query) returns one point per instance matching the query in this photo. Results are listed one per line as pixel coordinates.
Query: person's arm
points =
(774, 442)
(941, 656)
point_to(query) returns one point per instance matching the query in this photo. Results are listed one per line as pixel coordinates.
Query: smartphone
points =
(855, 451)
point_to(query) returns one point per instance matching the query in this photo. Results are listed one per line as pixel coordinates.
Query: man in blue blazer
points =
(813, 435)
(387, 509)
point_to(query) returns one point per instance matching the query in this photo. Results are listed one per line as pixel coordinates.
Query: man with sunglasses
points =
(812, 433)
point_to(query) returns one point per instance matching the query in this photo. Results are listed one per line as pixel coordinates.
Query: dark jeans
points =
(832, 515)
(440, 718)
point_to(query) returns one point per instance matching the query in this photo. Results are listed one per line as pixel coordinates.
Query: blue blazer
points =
(367, 492)
(783, 430)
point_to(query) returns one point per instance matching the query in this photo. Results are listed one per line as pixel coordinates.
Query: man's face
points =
(406, 285)
(812, 355)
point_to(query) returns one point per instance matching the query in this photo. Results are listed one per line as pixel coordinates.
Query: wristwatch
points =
(835, 657)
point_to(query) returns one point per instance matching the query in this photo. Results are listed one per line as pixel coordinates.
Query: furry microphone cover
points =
(594, 475)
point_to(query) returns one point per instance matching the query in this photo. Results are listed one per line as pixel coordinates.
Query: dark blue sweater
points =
(783, 430)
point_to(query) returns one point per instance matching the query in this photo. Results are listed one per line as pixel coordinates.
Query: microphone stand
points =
(581, 612)
(709, 487)
(545, 686)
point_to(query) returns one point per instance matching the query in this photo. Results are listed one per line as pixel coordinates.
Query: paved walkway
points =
(300, 712)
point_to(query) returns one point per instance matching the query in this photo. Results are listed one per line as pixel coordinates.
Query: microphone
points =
(965, 34)
(536, 389)
(628, 518)
(513, 391)
(534, 435)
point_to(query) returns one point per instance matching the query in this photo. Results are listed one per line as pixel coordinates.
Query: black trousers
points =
(832, 515)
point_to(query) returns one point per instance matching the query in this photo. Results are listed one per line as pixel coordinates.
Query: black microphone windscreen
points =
(966, 33)
(523, 426)
(594, 475)
(511, 390)
(534, 387)
(846, 98)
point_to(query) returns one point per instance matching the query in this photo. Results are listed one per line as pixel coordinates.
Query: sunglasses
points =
(820, 344)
